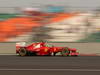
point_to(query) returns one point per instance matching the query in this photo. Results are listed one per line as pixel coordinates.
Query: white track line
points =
(96, 70)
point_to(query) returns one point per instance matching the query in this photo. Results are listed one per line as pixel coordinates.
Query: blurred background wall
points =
(58, 21)
(7, 48)
(28, 3)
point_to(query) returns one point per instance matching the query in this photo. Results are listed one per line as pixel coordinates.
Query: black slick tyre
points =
(22, 52)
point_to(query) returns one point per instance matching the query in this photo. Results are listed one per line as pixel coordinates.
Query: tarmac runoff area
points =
(46, 65)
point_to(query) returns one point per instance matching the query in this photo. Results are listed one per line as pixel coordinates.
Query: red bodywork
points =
(42, 49)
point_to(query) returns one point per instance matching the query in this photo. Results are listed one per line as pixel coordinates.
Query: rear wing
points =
(22, 44)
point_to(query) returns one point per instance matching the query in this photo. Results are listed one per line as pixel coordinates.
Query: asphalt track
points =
(82, 65)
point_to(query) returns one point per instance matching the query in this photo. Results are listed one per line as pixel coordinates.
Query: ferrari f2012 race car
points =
(44, 49)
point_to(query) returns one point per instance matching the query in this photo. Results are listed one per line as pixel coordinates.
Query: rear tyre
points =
(22, 52)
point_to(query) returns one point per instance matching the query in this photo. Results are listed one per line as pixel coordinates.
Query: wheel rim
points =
(22, 52)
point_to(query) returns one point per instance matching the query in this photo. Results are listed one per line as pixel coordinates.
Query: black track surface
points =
(16, 65)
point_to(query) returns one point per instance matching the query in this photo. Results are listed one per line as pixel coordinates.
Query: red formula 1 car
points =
(44, 49)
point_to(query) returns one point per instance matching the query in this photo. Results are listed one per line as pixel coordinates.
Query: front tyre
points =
(65, 52)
